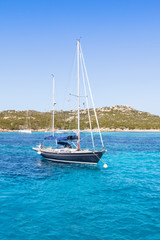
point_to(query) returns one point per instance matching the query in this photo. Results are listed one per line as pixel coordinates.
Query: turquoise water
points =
(43, 200)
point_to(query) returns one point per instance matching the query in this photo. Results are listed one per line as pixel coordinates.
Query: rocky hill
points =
(116, 117)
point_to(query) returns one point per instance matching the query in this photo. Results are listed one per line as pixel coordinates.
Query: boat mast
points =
(53, 104)
(27, 120)
(78, 134)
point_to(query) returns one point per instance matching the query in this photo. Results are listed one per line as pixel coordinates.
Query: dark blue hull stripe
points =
(90, 158)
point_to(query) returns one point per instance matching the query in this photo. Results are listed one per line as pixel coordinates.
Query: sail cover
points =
(65, 144)
(69, 138)
(50, 138)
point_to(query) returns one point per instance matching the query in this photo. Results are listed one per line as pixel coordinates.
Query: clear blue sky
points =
(120, 41)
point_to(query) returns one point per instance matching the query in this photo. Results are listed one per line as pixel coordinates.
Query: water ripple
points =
(43, 200)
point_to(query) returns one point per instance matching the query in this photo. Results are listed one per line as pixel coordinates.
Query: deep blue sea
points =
(43, 200)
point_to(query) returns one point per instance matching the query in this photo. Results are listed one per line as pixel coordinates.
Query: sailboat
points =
(66, 153)
(26, 130)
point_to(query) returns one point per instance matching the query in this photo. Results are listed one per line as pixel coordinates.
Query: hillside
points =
(116, 117)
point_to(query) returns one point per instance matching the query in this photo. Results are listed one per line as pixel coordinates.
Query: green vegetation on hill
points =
(122, 117)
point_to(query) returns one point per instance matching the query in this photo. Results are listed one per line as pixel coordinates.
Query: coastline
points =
(94, 130)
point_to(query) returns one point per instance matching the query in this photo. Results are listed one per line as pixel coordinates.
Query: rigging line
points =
(83, 138)
(74, 95)
(92, 98)
(69, 82)
(64, 106)
(96, 155)
(87, 101)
